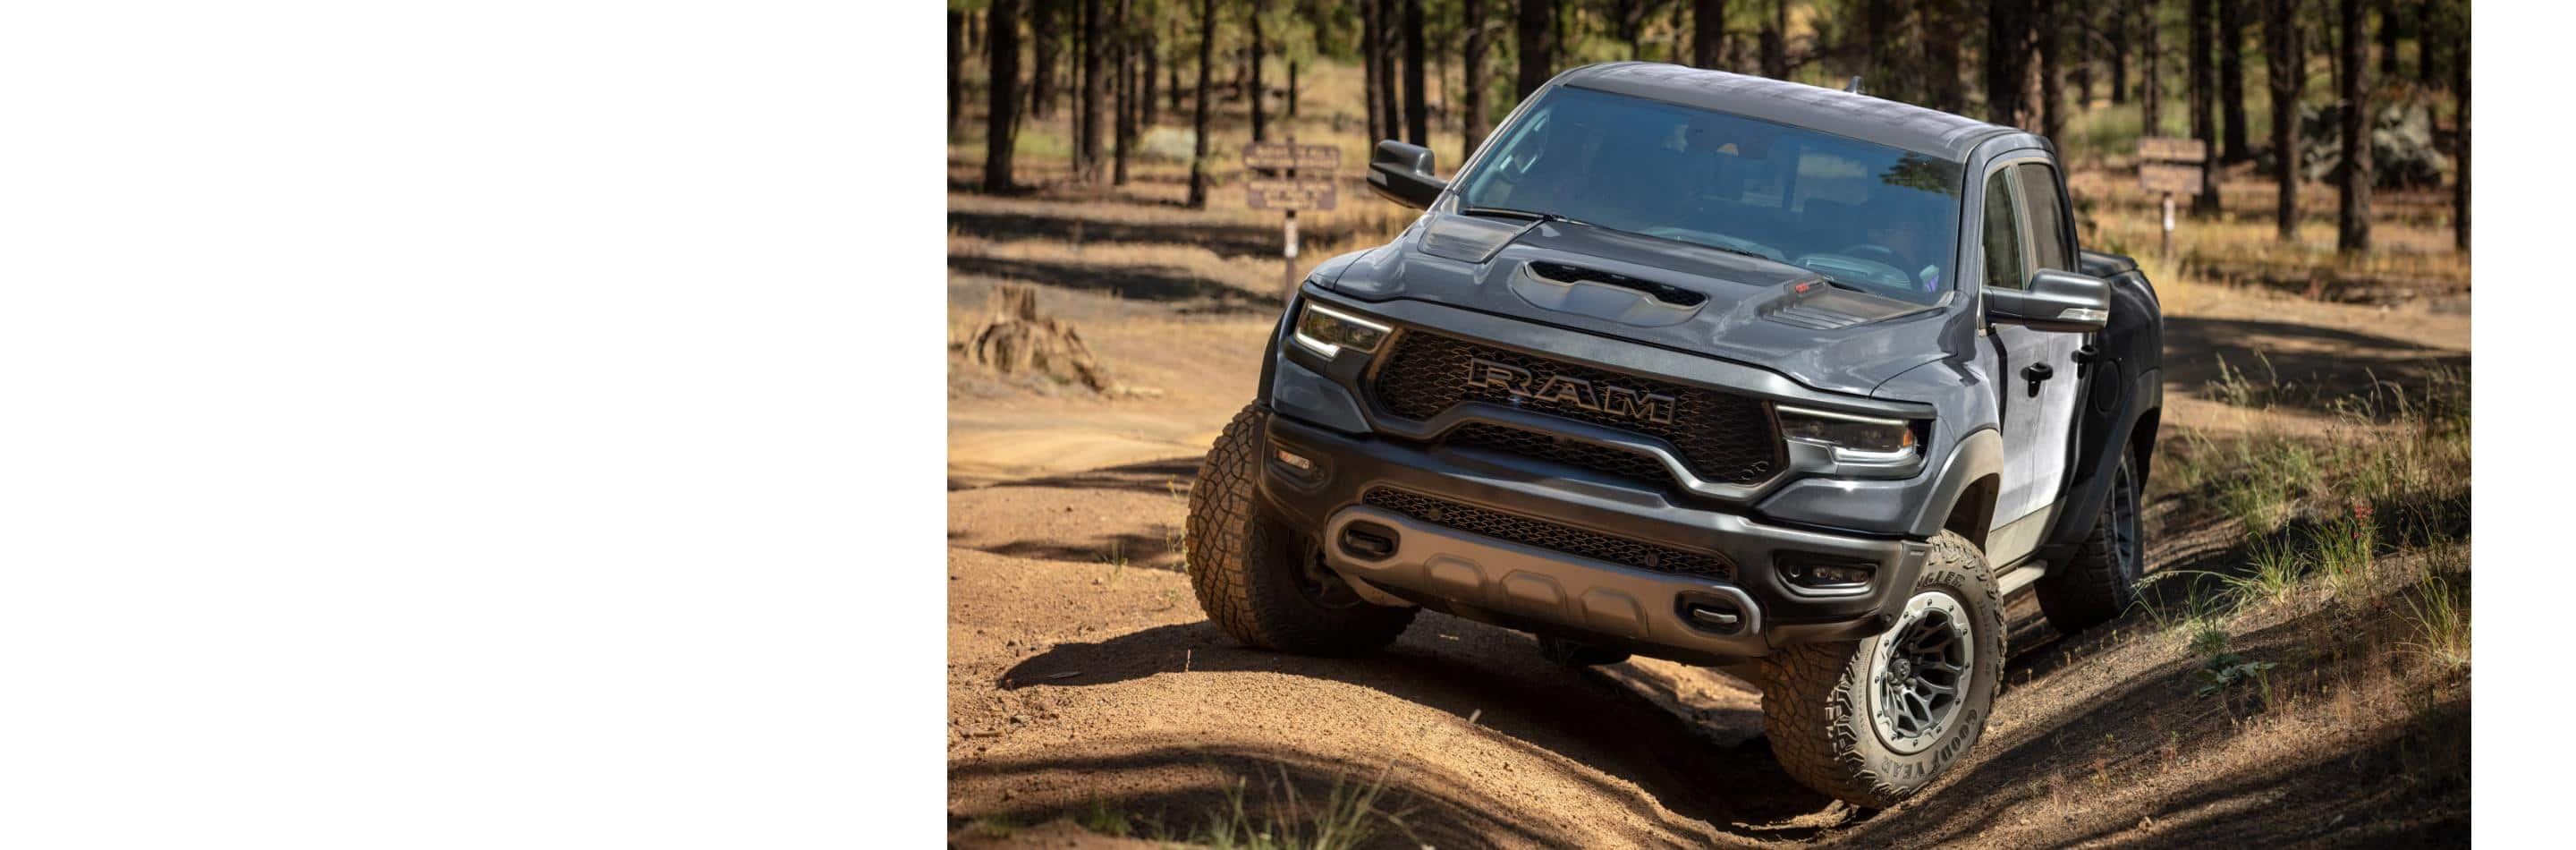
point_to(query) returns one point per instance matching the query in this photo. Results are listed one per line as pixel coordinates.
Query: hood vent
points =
(1667, 293)
(1816, 305)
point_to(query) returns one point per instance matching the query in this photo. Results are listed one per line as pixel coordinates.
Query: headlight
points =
(1327, 331)
(1855, 439)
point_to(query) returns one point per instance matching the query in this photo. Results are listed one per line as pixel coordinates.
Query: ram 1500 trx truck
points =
(1711, 368)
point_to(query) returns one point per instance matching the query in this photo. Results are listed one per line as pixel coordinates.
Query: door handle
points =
(2035, 373)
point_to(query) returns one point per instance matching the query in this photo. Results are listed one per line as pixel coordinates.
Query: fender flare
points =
(1977, 455)
(2085, 494)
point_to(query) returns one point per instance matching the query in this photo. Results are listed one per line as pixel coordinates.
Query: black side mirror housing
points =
(2054, 301)
(1402, 173)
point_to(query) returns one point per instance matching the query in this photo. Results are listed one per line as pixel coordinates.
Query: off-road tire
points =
(2101, 580)
(1244, 563)
(1816, 697)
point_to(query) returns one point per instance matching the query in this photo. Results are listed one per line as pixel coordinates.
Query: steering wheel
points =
(1873, 252)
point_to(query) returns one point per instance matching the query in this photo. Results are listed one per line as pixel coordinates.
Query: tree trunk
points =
(2460, 161)
(1417, 112)
(2049, 35)
(1537, 42)
(2204, 106)
(1046, 27)
(956, 80)
(2119, 35)
(2286, 71)
(1291, 110)
(1150, 54)
(2352, 216)
(2150, 81)
(1199, 116)
(1001, 124)
(2333, 46)
(1708, 33)
(1472, 72)
(1369, 82)
(2428, 27)
(1260, 93)
(1172, 86)
(1123, 100)
(1941, 55)
(2231, 79)
(1095, 53)
(1775, 42)
(1875, 36)
(2392, 26)
(1390, 69)
(2007, 60)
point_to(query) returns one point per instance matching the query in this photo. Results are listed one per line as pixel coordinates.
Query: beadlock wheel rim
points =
(1919, 672)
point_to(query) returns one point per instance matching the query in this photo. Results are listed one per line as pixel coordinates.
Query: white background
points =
(520, 423)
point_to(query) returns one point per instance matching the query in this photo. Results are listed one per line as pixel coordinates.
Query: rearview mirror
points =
(2054, 301)
(1402, 173)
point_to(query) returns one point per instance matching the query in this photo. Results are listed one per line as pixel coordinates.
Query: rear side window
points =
(2047, 216)
(2003, 234)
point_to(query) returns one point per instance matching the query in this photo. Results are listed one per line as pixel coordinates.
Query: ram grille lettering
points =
(1607, 399)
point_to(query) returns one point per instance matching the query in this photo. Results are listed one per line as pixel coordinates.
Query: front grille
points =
(1548, 535)
(1621, 463)
(1721, 436)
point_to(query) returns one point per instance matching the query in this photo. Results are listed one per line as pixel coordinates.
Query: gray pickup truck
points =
(1712, 368)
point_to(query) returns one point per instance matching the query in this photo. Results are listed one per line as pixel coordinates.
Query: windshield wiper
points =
(1754, 254)
(1508, 211)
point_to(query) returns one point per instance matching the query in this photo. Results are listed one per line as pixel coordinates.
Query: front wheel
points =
(1262, 582)
(1875, 720)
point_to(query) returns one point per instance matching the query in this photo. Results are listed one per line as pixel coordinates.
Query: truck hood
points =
(1653, 291)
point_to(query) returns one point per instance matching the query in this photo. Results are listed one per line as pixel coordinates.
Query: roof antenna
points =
(1854, 88)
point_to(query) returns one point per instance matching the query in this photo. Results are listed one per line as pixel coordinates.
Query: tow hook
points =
(1715, 615)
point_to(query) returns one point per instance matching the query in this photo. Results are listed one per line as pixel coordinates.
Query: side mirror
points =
(2054, 301)
(1402, 173)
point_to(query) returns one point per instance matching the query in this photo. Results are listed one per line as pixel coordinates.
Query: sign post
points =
(2168, 165)
(1276, 186)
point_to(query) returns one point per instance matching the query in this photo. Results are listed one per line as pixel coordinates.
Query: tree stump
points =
(1017, 338)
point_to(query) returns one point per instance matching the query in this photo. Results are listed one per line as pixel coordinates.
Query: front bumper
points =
(1542, 590)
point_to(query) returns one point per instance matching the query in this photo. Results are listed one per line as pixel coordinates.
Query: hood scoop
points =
(1468, 238)
(1605, 295)
(1816, 305)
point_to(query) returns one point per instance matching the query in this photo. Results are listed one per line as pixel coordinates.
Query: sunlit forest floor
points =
(2299, 674)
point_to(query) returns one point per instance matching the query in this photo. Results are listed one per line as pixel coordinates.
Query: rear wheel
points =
(2102, 579)
(1873, 721)
(1261, 581)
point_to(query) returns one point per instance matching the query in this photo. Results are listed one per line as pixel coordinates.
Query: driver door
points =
(2027, 229)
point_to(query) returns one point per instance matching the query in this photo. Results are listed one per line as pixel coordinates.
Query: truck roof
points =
(1859, 116)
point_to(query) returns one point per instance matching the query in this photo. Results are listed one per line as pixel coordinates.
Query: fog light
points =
(1296, 461)
(1819, 573)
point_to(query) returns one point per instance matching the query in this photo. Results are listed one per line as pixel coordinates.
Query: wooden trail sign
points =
(1275, 185)
(2168, 166)
(1288, 156)
(1290, 193)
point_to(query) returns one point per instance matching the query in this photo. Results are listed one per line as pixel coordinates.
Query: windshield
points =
(1868, 216)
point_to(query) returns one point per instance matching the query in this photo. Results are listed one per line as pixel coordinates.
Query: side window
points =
(2003, 235)
(2048, 232)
